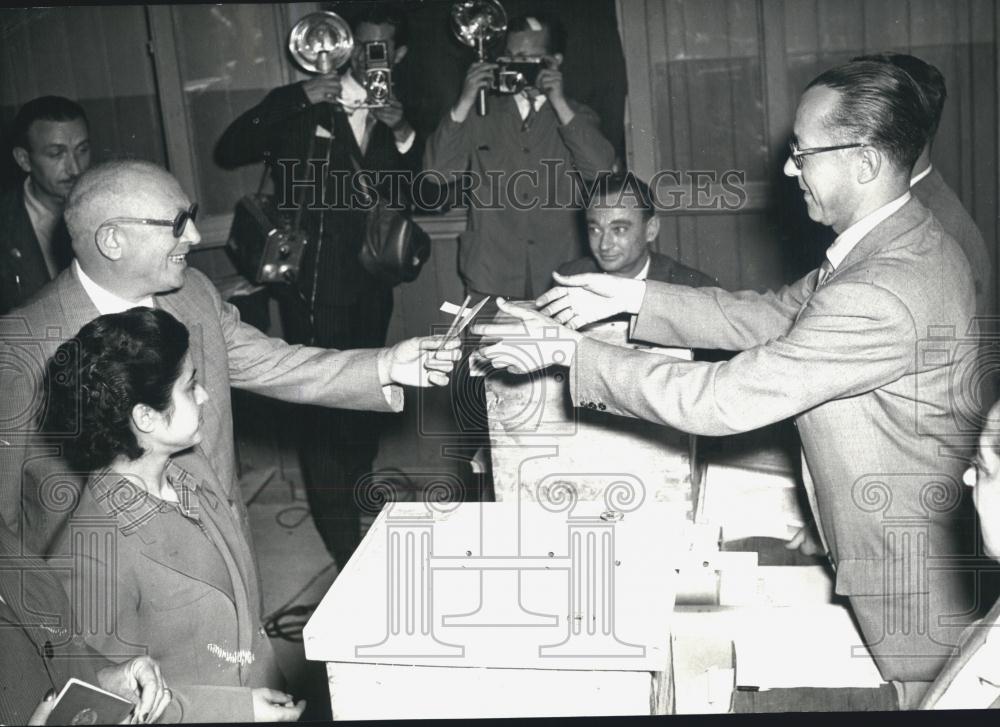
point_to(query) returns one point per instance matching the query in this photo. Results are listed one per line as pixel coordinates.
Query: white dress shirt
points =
(849, 238)
(922, 174)
(352, 95)
(103, 299)
(44, 221)
(644, 273)
(521, 99)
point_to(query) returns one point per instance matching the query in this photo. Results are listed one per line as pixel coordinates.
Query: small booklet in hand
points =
(82, 703)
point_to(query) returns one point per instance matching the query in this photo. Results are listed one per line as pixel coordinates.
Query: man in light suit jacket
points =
(842, 350)
(132, 226)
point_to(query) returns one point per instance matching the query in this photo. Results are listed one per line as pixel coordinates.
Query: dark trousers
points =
(337, 447)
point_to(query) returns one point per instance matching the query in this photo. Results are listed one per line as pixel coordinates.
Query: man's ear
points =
(21, 157)
(558, 58)
(871, 163)
(144, 418)
(652, 228)
(108, 243)
(400, 54)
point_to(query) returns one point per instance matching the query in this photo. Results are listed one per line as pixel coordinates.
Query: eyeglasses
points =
(797, 154)
(177, 224)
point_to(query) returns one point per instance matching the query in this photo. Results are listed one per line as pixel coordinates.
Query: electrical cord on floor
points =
(286, 622)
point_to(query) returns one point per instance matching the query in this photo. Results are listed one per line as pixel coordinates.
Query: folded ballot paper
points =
(802, 646)
(749, 502)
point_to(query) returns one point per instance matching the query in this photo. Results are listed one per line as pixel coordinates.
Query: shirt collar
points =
(849, 238)
(922, 174)
(352, 94)
(133, 507)
(35, 206)
(521, 99)
(104, 300)
(644, 273)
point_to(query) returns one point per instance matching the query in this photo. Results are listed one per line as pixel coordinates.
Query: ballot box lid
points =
(508, 585)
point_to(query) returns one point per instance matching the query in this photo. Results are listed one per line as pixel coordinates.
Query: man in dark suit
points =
(132, 227)
(622, 227)
(52, 145)
(840, 349)
(338, 304)
(929, 186)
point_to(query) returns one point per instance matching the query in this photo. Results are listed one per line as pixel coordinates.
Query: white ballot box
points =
(512, 609)
(538, 436)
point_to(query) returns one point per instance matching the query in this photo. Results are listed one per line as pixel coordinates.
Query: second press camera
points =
(321, 42)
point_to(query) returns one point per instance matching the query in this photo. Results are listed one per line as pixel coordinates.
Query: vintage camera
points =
(378, 74)
(515, 75)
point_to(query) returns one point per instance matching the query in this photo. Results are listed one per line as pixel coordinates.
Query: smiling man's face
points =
(153, 260)
(620, 236)
(825, 178)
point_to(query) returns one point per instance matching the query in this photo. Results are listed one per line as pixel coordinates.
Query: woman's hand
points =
(138, 680)
(270, 705)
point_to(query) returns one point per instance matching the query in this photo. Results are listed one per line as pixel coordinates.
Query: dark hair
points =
(376, 13)
(555, 33)
(43, 108)
(879, 104)
(613, 187)
(928, 77)
(95, 379)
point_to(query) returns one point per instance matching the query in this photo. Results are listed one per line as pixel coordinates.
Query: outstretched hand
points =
(528, 343)
(423, 362)
(579, 300)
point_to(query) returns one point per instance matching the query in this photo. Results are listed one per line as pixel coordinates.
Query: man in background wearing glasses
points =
(132, 228)
(844, 350)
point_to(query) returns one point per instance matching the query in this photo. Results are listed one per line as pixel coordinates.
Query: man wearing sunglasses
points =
(132, 228)
(857, 351)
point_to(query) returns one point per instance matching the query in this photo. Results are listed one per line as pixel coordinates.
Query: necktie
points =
(366, 135)
(530, 116)
(825, 271)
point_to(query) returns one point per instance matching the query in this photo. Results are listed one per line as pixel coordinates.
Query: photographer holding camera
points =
(354, 124)
(522, 159)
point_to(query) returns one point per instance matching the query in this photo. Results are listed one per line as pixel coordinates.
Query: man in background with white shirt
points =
(336, 303)
(522, 158)
(51, 143)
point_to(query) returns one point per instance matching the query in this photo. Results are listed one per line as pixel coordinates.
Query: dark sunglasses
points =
(177, 224)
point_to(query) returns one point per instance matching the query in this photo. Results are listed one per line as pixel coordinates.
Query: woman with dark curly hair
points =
(160, 562)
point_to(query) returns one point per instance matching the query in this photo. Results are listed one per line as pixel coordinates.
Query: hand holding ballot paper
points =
(529, 341)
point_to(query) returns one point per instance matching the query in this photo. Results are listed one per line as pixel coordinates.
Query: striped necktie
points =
(825, 271)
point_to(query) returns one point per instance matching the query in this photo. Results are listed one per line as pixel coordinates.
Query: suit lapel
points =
(183, 555)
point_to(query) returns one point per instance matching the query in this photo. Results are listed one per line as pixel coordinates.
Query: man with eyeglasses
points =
(132, 228)
(844, 350)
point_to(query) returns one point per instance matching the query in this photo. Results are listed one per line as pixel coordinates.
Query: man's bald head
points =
(112, 189)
